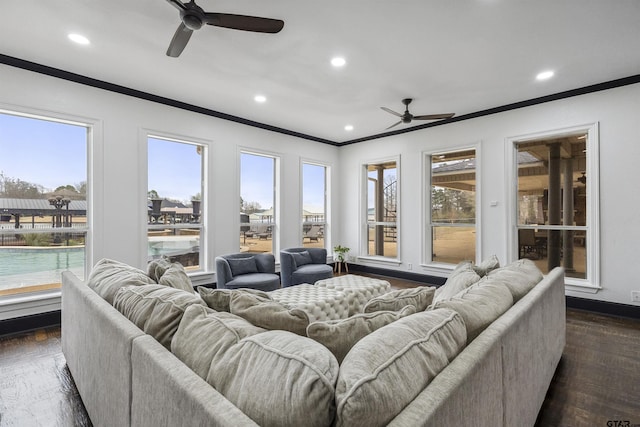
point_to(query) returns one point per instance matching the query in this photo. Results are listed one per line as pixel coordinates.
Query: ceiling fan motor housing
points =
(192, 19)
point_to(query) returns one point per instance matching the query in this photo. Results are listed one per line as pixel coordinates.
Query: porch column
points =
(379, 234)
(554, 206)
(567, 217)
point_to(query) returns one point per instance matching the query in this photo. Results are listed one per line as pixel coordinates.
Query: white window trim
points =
(206, 272)
(428, 265)
(20, 305)
(327, 203)
(364, 223)
(592, 283)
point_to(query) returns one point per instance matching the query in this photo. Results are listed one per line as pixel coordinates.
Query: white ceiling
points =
(449, 56)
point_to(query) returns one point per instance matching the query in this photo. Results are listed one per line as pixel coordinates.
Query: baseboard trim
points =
(404, 275)
(28, 323)
(604, 307)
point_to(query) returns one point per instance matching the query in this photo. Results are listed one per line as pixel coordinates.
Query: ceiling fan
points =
(407, 117)
(193, 18)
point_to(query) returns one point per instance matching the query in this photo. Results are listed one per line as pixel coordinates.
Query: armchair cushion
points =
(302, 258)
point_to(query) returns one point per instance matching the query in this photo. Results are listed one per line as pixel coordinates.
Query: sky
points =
(30, 149)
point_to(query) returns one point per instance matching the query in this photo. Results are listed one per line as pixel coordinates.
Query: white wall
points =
(616, 111)
(121, 187)
(120, 162)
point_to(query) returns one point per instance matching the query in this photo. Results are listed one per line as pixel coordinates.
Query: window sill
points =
(379, 260)
(581, 286)
(15, 306)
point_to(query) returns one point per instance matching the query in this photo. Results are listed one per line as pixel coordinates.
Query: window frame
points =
(33, 303)
(592, 282)
(204, 273)
(427, 245)
(364, 206)
(327, 197)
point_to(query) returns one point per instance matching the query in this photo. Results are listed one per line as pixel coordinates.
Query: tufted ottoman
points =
(358, 290)
(319, 303)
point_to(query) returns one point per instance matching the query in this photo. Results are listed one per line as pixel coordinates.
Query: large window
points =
(314, 205)
(382, 209)
(175, 201)
(553, 202)
(453, 206)
(43, 202)
(257, 202)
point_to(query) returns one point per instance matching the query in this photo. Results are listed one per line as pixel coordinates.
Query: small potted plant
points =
(340, 255)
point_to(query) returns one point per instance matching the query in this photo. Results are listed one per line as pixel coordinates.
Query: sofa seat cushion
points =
(260, 281)
(339, 336)
(278, 379)
(419, 297)
(460, 278)
(388, 368)
(319, 303)
(219, 299)
(156, 309)
(204, 335)
(519, 276)
(479, 305)
(267, 313)
(311, 273)
(108, 276)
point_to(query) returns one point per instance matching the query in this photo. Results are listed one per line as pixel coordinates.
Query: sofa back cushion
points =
(156, 309)
(519, 276)
(460, 278)
(487, 266)
(205, 334)
(108, 276)
(340, 335)
(268, 314)
(240, 266)
(176, 277)
(419, 297)
(278, 379)
(219, 299)
(388, 368)
(479, 305)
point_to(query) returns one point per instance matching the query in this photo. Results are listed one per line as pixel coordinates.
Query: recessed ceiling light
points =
(77, 38)
(348, 128)
(260, 99)
(338, 61)
(544, 75)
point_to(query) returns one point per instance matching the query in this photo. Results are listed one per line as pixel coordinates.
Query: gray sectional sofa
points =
(500, 378)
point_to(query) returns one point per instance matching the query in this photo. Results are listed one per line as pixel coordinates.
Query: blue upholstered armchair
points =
(303, 265)
(247, 270)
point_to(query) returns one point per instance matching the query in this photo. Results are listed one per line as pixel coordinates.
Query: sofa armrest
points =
(97, 342)
(287, 267)
(167, 393)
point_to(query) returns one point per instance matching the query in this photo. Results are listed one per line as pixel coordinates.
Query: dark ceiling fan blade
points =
(178, 4)
(394, 125)
(179, 41)
(245, 23)
(434, 116)
(391, 111)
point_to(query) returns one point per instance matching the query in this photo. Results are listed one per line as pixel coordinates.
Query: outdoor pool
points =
(21, 267)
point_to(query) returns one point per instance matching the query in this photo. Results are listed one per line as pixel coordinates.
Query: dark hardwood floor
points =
(596, 384)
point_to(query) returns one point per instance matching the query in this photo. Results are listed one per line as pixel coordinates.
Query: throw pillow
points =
(479, 305)
(519, 276)
(388, 368)
(340, 335)
(268, 314)
(176, 277)
(487, 266)
(108, 276)
(219, 299)
(460, 278)
(204, 335)
(278, 379)
(240, 266)
(157, 267)
(301, 258)
(420, 297)
(156, 309)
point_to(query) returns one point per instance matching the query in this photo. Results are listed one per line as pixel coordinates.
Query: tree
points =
(153, 194)
(19, 189)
